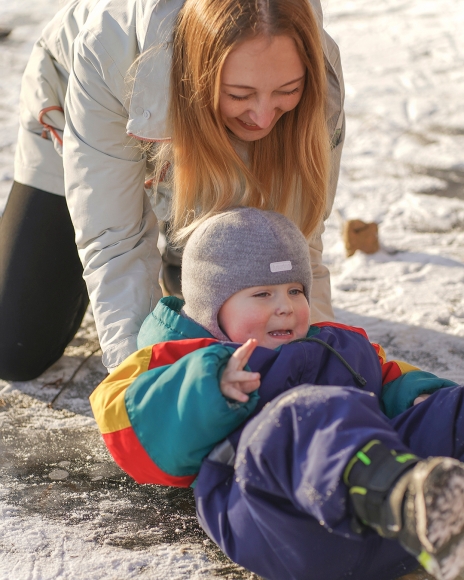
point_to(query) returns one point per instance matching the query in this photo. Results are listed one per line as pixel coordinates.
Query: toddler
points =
(302, 441)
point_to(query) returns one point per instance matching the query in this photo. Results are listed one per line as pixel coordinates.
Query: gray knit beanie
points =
(238, 249)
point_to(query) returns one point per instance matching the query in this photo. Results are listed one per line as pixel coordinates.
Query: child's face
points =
(273, 315)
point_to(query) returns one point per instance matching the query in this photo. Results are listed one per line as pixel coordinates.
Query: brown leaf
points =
(359, 235)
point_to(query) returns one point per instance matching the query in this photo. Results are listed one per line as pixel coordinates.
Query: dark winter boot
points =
(421, 503)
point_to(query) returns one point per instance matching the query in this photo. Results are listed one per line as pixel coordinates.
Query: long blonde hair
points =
(286, 171)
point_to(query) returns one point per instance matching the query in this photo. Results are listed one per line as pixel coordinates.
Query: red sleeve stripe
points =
(129, 454)
(167, 353)
(380, 353)
(390, 372)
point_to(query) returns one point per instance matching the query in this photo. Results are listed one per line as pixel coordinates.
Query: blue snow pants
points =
(282, 510)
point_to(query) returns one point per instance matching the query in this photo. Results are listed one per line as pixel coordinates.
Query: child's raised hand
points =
(236, 382)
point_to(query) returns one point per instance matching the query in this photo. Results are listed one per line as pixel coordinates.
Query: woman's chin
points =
(248, 137)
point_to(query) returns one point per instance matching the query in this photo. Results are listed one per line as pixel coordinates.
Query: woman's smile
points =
(249, 126)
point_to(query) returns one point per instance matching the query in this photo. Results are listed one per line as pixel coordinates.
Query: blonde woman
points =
(237, 102)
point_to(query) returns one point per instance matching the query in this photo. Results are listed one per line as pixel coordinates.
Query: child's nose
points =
(285, 307)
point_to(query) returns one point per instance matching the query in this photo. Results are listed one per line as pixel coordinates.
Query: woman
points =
(211, 77)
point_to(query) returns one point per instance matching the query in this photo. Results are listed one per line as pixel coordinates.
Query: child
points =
(307, 476)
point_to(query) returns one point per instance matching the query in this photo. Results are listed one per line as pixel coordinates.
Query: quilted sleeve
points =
(402, 383)
(160, 424)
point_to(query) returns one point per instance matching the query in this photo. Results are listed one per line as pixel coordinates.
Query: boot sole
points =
(439, 510)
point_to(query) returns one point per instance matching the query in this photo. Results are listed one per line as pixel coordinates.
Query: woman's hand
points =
(235, 382)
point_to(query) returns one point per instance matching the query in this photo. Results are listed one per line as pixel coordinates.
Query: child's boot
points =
(418, 502)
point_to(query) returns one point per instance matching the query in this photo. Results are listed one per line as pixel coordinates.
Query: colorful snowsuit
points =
(268, 473)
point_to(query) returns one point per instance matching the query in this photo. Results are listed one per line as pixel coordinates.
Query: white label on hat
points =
(280, 266)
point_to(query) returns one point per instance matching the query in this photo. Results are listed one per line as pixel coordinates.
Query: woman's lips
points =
(247, 127)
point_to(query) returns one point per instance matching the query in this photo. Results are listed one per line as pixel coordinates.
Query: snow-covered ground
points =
(65, 510)
(403, 167)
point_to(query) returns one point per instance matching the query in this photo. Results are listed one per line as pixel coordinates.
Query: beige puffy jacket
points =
(75, 91)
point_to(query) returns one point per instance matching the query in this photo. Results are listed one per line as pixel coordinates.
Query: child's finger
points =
(250, 386)
(239, 358)
(241, 377)
(231, 392)
(245, 386)
(243, 353)
(230, 388)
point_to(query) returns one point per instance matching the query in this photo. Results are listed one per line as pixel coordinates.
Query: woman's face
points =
(262, 79)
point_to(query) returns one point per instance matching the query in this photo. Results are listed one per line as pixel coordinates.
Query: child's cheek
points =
(256, 325)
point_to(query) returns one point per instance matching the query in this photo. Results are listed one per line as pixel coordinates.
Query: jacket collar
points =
(166, 323)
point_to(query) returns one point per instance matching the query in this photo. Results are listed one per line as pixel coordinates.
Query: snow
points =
(66, 511)
(403, 168)
(38, 550)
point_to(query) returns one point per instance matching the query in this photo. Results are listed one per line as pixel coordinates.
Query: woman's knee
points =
(29, 344)
(19, 364)
(43, 297)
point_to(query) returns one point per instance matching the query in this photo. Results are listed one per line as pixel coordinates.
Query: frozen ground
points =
(65, 510)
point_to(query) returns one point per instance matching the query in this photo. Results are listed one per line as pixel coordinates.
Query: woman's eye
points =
(246, 97)
(294, 92)
(235, 98)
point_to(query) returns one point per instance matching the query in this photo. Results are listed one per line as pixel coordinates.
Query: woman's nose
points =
(262, 115)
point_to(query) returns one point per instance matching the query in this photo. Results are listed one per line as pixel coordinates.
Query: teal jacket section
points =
(166, 323)
(179, 413)
(399, 395)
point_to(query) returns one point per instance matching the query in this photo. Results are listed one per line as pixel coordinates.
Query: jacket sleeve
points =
(321, 304)
(116, 229)
(402, 383)
(160, 424)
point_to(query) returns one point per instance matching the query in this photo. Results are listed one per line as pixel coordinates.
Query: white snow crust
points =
(403, 167)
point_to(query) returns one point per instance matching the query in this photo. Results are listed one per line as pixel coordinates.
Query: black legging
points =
(43, 297)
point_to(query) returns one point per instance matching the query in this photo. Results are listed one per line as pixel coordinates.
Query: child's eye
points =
(261, 295)
(295, 291)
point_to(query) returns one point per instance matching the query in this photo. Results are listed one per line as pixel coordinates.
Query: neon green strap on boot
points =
(371, 475)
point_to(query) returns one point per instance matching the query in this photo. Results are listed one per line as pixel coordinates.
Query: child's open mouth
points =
(280, 333)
